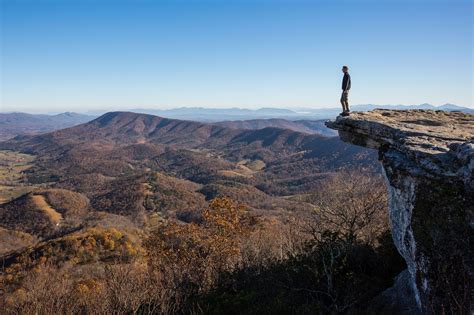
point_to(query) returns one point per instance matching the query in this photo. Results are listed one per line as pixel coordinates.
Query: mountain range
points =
(308, 120)
(90, 197)
(220, 114)
(137, 166)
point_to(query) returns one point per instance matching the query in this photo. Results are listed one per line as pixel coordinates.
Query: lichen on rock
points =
(429, 166)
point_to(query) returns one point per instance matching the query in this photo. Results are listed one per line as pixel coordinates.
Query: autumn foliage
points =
(227, 260)
(189, 258)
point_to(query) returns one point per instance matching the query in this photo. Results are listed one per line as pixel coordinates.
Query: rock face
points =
(428, 159)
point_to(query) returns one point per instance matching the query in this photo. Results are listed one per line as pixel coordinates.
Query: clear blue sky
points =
(80, 55)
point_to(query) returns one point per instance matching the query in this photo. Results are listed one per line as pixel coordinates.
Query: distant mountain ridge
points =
(300, 119)
(118, 128)
(201, 151)
(224, 114)
(117, 145)
(446, 107)
(13, 124)
(305, 126)
(327, 113)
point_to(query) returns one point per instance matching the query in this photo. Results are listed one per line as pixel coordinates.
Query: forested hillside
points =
(138, 213)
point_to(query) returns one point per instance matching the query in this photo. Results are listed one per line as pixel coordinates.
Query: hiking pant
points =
(345, 101)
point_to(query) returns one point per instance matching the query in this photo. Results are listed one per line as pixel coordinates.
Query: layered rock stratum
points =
(428, 160)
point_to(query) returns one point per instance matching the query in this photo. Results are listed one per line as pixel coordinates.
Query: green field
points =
(12, 179)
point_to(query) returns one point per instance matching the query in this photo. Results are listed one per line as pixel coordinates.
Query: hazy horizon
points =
(83, 56)
(138, 108)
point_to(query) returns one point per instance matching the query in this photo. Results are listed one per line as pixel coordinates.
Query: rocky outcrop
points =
(428, 159)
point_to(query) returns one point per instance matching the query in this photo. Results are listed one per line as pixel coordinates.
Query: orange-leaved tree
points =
(187, 258)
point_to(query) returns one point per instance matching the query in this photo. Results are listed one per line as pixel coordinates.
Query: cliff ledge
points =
(428, 159)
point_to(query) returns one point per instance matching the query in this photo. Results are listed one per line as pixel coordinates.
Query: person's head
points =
(345, 69)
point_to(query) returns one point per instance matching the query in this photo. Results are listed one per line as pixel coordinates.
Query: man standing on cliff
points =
(346, 86)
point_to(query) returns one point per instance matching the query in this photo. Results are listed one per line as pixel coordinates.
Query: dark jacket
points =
(346, 82)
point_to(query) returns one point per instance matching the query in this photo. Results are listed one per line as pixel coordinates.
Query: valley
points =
(111, 159)
(95, 195)
(13, 181)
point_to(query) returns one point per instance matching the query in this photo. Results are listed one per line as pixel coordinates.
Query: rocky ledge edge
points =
(427, 158)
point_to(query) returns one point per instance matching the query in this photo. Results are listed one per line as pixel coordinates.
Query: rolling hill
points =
(148, 136)
(133, 170)
(91, 197)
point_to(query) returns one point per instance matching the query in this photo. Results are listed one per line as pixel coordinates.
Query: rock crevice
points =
(428, 160)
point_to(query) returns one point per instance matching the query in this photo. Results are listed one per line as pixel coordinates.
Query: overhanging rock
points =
(428, 159)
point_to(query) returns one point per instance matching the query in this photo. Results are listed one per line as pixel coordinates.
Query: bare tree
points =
(353, 203)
